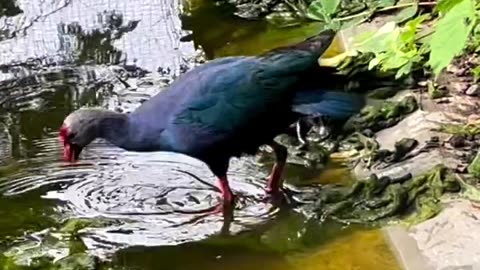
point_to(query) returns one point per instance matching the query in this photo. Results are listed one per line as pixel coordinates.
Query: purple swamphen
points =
(224, 108)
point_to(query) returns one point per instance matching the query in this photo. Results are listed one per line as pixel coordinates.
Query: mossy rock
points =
(378, 201)
(474, 167)
(376, 118)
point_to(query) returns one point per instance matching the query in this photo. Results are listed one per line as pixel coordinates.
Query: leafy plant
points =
(451, 32)
(399, 50)
(476, 73)
(402, 55)
(324, 10)
(393, 49)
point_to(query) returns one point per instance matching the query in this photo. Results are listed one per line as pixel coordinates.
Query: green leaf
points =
(451, 35)
(406, 14)
(384, 3)
(357, 20)
(444, 6)
(322, 10)
(404, 70)
(315, 11)
(373, 63)
(476, 73)
(380, 41)
(329, 6)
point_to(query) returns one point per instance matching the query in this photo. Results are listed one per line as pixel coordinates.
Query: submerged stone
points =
(52, 249)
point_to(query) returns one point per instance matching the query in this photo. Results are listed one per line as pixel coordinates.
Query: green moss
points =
(73, 226)
(469, 192)
(474, 167)
(380, 200)
(460, 129)
(380, 117)
(434, 91)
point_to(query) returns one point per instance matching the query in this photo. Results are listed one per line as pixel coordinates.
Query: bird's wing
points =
(227, 99)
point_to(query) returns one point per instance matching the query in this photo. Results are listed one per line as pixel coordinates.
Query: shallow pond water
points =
(59, 55)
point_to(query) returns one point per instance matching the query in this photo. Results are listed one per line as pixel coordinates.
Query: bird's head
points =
(78, 130)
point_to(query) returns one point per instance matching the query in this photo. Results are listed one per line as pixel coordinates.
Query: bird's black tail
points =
(299, 57)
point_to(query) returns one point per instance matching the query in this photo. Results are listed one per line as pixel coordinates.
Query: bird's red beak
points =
(71, 152)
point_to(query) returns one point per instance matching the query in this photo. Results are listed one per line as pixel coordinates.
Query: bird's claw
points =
(282, 196)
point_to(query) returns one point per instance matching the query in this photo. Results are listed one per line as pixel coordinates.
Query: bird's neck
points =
(130, 133)
(114, 127)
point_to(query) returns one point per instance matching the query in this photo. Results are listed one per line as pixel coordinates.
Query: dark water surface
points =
(59, 55)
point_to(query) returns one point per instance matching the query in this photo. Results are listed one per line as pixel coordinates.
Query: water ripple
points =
(159, 198)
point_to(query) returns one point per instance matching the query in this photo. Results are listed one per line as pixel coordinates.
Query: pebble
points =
(473, 90)
(369, 133)
(452, 69)
(459, 87)
(457, 141)
(473, 119)
(461, 168)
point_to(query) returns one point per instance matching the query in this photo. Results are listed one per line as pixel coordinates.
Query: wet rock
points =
(473, 119)
(376, 157)
(311, 155)
(452, 69)
(418, 126)
(458, 87)
(275, 11)
(283, 19)
(403, 147)
(457, 141)
(255, 10)
(435, 91)
(368, 132)
(377, 118)
(383, 93)
(450, 240)
(473, 90)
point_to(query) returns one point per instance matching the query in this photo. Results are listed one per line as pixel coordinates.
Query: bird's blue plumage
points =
(231, 106)
(337, 105)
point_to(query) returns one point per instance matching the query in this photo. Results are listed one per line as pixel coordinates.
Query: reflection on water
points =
(59, 55)
(348, 249)
(235, 36)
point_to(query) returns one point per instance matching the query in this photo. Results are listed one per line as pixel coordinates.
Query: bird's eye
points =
(71, 136)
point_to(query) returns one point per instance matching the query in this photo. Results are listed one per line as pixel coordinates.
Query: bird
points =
(227, 107)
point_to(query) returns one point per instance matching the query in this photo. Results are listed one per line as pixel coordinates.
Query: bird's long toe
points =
(282, 195)
(277, 197)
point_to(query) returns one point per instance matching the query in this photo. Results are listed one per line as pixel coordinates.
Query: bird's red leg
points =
(227, 193)
(219, 167)
(275, 180)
